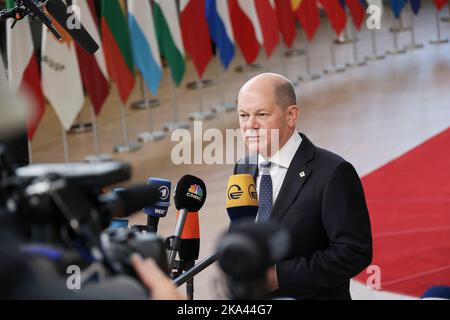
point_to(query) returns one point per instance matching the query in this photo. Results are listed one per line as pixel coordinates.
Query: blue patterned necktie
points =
(265, 193)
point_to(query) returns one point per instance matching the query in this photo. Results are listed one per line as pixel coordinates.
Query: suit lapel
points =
(296, 176)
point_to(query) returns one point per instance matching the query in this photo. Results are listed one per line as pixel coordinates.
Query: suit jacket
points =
(321, 201)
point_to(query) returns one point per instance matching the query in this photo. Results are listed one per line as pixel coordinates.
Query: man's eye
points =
(263, 114)
(243, 115)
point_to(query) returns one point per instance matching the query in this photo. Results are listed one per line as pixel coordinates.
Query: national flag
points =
(308, 15)
(117, 47)
(168, 33)
(219, 24)
(357, 11)
(268, 22)
(23, 69)
(145, 46)
(286, 21)
(415, 6)
(440, 4)
(246, 32)
(61, 78)
(335, 14)
(195, 33)
(92, 67)
(397, 7)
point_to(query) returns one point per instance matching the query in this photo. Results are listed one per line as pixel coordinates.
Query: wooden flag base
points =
(82, 127)
(171, 126)
(98, 159)
(195, 85)
(143, 105)
(203, 115)
(225, 108)
(151, 136)
(127, 148)
(334, 69)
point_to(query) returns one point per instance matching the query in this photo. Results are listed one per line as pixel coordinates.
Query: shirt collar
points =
(284, 156)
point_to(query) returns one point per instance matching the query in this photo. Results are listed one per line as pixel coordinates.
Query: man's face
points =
(265, 126)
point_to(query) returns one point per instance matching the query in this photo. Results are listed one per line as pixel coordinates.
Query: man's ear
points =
(292, 115)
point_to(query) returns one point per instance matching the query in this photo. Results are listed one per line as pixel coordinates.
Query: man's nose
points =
(253, 123)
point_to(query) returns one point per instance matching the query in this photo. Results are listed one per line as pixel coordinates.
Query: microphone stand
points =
(174, 246)
(191, 273)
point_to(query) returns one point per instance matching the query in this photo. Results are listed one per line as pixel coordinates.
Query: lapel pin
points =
(302, 174)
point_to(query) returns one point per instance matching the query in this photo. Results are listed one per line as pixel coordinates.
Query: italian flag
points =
(167, 27)
(117, 47)
(23, 70)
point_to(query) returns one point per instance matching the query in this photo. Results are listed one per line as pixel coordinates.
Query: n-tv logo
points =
(196, 192)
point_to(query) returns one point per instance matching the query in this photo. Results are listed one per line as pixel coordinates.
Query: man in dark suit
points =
(315, 193)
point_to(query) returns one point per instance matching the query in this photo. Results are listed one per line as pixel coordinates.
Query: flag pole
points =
(152, 134)
(446, 19)
(333, 68)
(309, 76)
(201, 114)
(65, 144)
(30, 152)
(175, 124)
(396, 49)
(356, 61)
(414, 44)
(97, 157)
(222, 107)
(439, 39)
(375, 55)
(80, 126)
(245, 67)
(144, 104)
(126, 147)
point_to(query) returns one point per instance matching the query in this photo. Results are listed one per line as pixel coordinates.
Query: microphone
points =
(245, 254)
(190, 195)
(58, 10)
(158, 209)
(190, 238)
(124, 202)
(242, 198)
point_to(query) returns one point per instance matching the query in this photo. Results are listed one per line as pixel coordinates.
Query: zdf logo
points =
(375, 13)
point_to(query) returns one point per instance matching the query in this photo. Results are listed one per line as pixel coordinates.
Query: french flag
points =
(219, 24)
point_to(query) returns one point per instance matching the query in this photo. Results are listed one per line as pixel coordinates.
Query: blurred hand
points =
(155, 280)
(272, 279)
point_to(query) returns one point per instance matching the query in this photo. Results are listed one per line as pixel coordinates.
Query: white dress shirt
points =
(280, 164)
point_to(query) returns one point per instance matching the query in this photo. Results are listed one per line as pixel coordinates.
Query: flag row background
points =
(138, 35)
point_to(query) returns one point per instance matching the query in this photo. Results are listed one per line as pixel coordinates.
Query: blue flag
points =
(415, 6)
(219, 25)
(397, 7)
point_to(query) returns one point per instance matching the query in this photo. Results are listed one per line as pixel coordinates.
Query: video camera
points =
(59, 208)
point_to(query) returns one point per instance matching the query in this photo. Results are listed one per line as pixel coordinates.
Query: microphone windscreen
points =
(190, 194)
(59, 11)
(160, 208)
(135, 198)
(242, 198)
(247, 250)
(190, 238)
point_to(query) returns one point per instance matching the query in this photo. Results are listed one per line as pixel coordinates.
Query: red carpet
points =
(409, 205)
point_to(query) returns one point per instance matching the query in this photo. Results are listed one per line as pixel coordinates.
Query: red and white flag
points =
(92, 67)
(286, 21)
(23, 71)
(61, 78)
(268, 21)
(195, 33)
(246, 30)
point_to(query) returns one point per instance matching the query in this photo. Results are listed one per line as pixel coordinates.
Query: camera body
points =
(121, 243)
